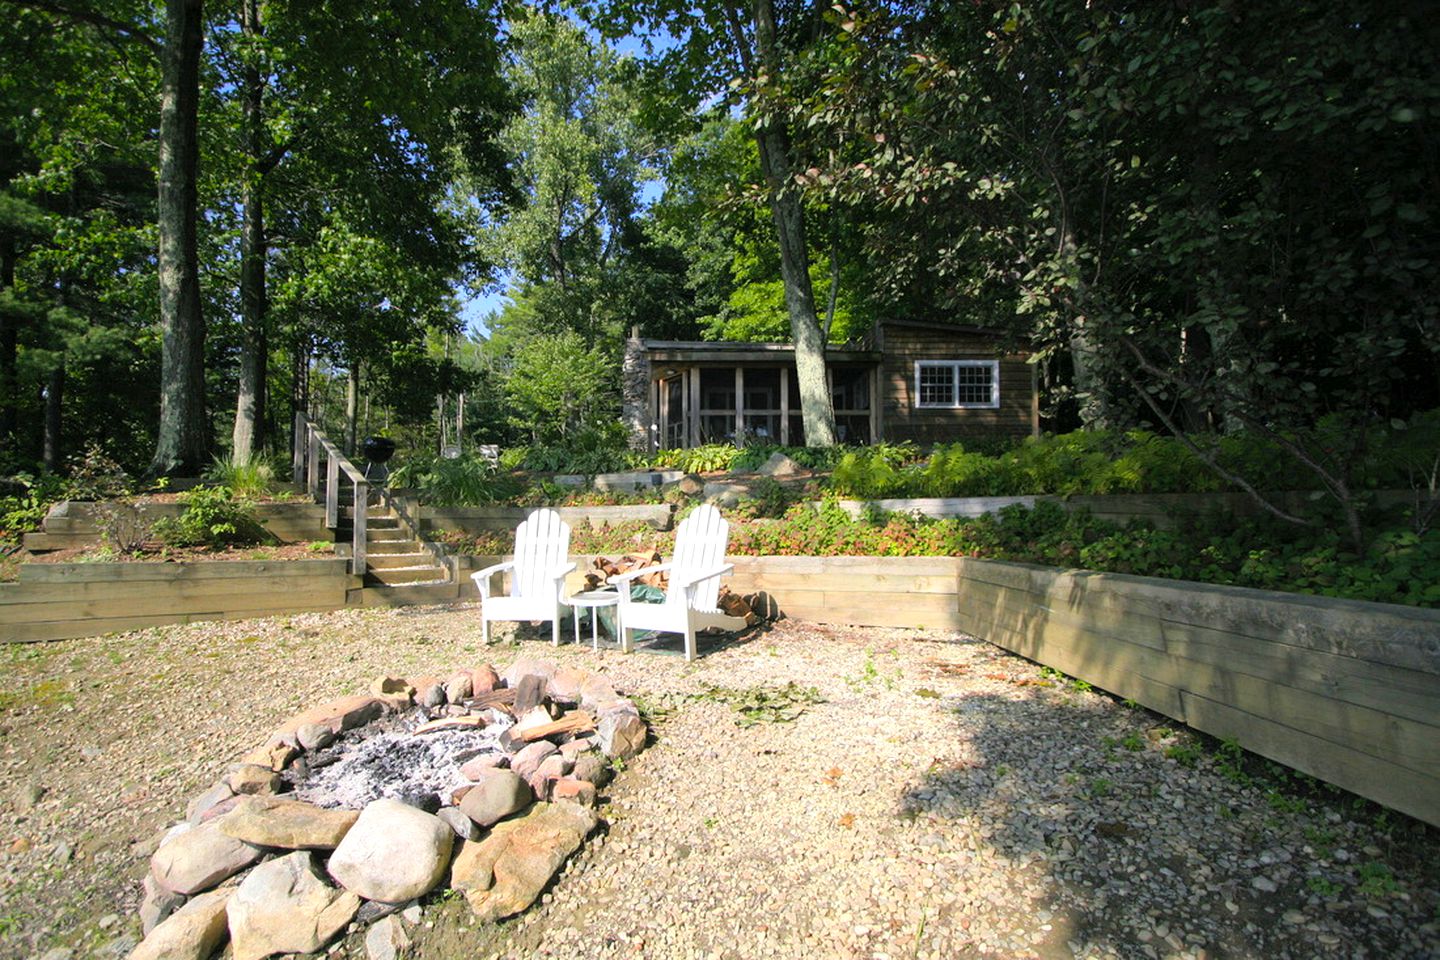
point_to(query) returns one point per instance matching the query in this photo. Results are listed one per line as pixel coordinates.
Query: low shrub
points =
(466, 481)
(212, 517)
(709, 458)
(124, 525)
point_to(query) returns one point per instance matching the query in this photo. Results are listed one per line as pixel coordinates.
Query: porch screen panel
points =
(717, 405)
(850, 393)
(762, 405)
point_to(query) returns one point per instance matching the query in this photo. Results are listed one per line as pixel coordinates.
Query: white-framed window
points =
(957, 384)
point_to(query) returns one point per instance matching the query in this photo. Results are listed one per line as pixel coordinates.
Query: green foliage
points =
(1095, 462)
(591, 449)
(465, 481)
(559, 388)
(709, 458)
(251, 480)
(765, 702)
(212, 517)
(21, 513)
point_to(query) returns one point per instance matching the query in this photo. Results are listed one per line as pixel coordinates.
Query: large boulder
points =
(193, 932)
(526, 666)
(290, 824)
(343, 714)
(394, 852)
(496, 795)
(200, 858)
(285, 906)
(504, 873)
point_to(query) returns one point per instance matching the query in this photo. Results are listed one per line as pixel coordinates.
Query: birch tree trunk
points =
(182, 443)
(248, 434)
(816, 408)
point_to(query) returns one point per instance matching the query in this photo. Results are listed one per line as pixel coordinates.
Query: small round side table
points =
(593, 600)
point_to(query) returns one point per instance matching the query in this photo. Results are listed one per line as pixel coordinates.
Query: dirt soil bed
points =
(156, 553)
(945, 799)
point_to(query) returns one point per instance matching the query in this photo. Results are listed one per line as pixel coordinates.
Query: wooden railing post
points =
(297, 475)
(362, 515)
(312, 464)
(332, 492)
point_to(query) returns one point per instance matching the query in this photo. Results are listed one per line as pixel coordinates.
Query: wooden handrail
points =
(311, 447)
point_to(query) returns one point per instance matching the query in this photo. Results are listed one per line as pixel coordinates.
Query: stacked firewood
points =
(603, 568)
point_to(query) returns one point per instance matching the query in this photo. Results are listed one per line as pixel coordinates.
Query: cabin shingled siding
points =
(902, 420)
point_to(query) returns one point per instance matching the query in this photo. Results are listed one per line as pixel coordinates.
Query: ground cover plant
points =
(1401, 564)
(1092, 462)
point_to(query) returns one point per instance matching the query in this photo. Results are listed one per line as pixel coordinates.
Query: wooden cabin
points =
(909, 380)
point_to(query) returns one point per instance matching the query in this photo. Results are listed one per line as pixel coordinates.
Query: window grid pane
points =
(974, 383)
(937, 384)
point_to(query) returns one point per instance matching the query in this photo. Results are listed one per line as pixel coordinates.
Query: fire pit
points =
(354, 809)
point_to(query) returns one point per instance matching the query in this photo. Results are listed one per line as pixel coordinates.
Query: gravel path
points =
(946, 799)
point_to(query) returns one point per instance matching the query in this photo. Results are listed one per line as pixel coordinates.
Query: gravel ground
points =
(946, 799)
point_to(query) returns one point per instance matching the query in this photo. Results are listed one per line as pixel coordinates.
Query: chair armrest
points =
(493, 569)
(690, 581)
(557, 577)
(482, 577)
(641, 572)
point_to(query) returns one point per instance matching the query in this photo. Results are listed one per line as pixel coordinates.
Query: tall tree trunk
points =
(54, 399)
(816, 408)
(248, 434)
(352, 406)
(182, 443)
(9, 349)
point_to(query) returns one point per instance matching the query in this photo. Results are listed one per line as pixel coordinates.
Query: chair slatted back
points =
(542, 543)
(700, 543)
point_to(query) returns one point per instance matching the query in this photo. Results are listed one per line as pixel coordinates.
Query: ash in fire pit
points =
(434, 799)
(392, 760)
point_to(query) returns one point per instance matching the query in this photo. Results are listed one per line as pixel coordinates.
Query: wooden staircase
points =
(399, 568)
(386, 552)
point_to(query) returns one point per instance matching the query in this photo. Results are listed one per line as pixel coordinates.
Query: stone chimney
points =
(635, 393)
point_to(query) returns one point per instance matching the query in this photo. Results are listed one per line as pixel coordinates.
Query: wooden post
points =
(332, 492)
(740, 406)
(312, 463)
(297, 458)
(357, 537)
(875, 404)
(784, 406)
(693, 440)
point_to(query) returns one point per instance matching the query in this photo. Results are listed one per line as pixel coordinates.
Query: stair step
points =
(392, 576)
(392, 547)
(393, 561)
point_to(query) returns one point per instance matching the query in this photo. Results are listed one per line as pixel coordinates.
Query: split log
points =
(734, 605)
(450, 723)
(576, 721)
(500, 699)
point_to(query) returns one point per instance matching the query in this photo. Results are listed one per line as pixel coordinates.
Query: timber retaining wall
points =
(56, 601)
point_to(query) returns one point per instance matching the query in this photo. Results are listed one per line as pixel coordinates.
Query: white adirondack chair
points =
(537, 575)
(695, 572)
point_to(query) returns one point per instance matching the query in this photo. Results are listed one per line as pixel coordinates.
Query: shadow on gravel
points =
(1114, 848)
